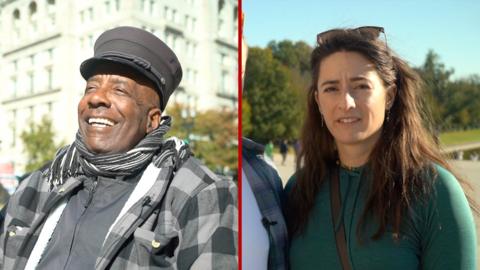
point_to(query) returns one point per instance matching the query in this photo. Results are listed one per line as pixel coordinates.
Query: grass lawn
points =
(459, 137)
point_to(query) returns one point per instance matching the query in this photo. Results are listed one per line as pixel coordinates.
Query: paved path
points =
(470, 170)
(461, 147)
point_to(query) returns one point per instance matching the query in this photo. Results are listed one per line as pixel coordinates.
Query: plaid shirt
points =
(189, 224)
(267, 189)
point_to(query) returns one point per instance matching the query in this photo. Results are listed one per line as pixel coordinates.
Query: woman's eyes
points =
(330, 89)
(362, 86)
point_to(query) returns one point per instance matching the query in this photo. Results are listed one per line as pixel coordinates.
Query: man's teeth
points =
(347, 120)
(100, 122)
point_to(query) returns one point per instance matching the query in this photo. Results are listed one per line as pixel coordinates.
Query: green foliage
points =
(293, 55)
(460, 137)
(212, 135)
(454, 104)
(246, 116)
(39, 144)
(273, 90)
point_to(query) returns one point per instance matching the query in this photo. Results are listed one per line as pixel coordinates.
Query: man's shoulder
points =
(249, 146)
(193, 177)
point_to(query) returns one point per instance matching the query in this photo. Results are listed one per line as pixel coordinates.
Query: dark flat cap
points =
(142, 51)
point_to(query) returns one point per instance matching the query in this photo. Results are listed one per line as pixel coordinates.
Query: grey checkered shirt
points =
(189, 224)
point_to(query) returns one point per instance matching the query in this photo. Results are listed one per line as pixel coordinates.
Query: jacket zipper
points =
(75, 232)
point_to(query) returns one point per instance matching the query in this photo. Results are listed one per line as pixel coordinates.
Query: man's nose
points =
(99, 98)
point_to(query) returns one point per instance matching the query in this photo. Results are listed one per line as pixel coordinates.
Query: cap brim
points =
(87, 68)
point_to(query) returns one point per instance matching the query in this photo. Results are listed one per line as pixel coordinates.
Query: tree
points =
(454, 104)
(219, 146)
(436, 79)
(38, 141)
(246, 117)
(211, 134)
(293, 55)
(272, 99)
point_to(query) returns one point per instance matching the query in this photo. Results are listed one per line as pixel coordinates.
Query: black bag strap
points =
(335, 204)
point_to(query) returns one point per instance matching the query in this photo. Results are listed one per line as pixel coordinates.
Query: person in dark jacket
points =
(265, 236)
(121, 196)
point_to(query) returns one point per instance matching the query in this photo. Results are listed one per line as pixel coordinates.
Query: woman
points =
(372, 191)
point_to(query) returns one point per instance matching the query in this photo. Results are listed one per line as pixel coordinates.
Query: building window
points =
(50, 54)
(32, 60)
(178, 43)
(16, 21)
(221, 4)
(90, 13)
(13, 86)
(153, 7)
(31, 112)
(221, 27)
(174, 16)
(33, 15)
(223, 59)
(51, 6)
(166, 12)
(107, 6)
(90, 40)
(32, 8)
(13, 126)
(224, 84)
(117, 5)
(49, 78)
(31, 82)
(16, 14)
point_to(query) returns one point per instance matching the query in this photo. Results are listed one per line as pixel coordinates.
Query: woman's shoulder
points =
(445, 183)
(448, 198)
(291, 183)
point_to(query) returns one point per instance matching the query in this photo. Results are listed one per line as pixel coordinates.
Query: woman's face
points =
(352, 98)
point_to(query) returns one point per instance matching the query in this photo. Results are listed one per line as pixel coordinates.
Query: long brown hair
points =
(401, 158)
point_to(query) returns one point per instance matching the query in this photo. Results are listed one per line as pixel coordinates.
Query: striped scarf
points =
(76, 159)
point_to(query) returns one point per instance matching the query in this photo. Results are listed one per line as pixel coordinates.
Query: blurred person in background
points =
(264, 231)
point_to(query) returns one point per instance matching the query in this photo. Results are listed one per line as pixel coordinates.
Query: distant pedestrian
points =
(283, 150)
(297, 148)
(269, 150)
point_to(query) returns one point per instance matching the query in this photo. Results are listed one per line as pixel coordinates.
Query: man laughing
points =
(121, 196)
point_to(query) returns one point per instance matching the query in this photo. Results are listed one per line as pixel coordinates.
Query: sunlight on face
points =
(352, 98)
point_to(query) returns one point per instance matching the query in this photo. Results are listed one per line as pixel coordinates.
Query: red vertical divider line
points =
(239, 112)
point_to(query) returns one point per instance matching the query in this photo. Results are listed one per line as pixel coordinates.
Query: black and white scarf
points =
(76, 159)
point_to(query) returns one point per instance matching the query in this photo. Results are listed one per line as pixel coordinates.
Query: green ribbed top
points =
(439, 234)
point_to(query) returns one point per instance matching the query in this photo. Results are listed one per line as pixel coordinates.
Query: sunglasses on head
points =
(370, 32)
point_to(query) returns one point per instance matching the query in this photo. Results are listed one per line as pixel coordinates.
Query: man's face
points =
(118, 109)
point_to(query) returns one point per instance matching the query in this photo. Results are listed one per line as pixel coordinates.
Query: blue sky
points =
(451, 28)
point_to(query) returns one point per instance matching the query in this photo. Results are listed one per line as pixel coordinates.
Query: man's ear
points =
(153, 120)
(391, 94)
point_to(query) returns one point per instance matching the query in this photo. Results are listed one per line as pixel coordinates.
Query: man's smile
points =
(100, 122)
